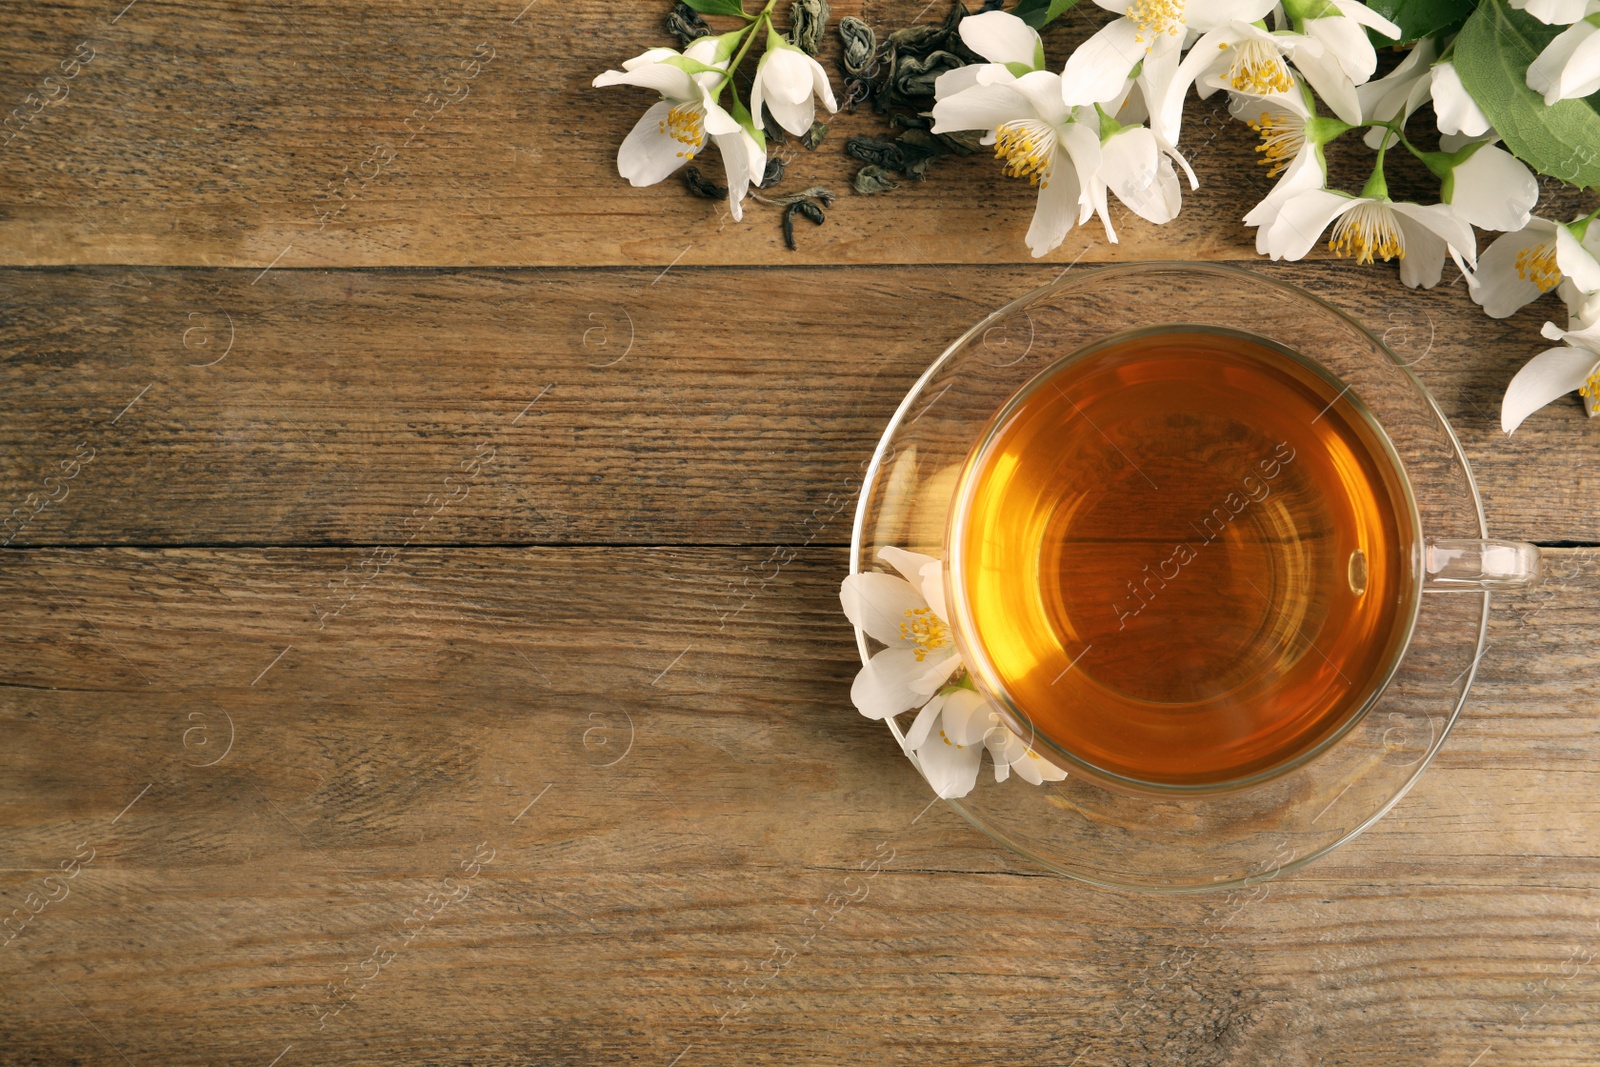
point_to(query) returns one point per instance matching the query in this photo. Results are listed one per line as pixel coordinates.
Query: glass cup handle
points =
(1474, 566)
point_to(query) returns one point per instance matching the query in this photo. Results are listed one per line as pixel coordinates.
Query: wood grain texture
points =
(224, 134)
(667, 801)
(339, 403)
(444, 665)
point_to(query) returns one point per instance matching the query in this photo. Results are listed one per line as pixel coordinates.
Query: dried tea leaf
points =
(799, 207)
(685, 23)
(913, 76)
(807, 19)
(872, 180)
(699, 185)
(776, 135)
(859, 60)
(917, 56)
(813, 137)
(774, 173)
(962, 142)
(860, 47)
(816, 192)
(876, 151)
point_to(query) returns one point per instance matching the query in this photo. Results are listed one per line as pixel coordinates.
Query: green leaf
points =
(719, 7)
(1040, 13)
(1420, 18)
(1492, 56)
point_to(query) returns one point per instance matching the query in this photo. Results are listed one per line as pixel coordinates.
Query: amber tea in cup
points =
(1184, 557)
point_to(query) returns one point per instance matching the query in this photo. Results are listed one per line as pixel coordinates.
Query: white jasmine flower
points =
(1489, 188)
(1003, 39)
(1040, 139)
(1136, 165)
(789, 83)
(1554, 12)
(1569, 66)
(1456, 112)
(950, 735)
(947, 736)
(1583, 309)
(1239, 57)
(1280, 119)
(1347, 58)
(908, 615)
(1554, 373)
(1011, 46)
(673, 131)
(1371, 227)
(1151, 32)
(1305, 173)
(1291, 143)
(1400, 92)
(1518, 267)
(1344, 35)
(956, 725)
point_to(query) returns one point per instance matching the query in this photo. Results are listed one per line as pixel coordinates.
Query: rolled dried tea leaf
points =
(807, 19)
(872, 180)
(875, 150)
(909, 154)
(813, 137)
(859, 59)
(685, 23)
(860, 47)
(913, 77)
(699, 185)
(916, 56)
(920, 144)
(799, 207)
(773, 174)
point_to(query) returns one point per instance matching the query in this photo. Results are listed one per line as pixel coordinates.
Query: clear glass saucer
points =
(1209, 841)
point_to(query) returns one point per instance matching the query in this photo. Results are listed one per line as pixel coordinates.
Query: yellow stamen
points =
(1259, 68)
(1026, 147)
(925, 630)
(1155, 17)
(1537, 264)
(686, 124)
(950, 742)
(1591, 388)
(1368, 231)
(1280, 141)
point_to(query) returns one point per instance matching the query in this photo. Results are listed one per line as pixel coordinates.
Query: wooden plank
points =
(221, 134)
(648, 897)
(699, 406)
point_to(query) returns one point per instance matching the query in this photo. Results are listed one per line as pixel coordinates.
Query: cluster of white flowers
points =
(1110, 121)
(1545, 255)
(920, 668)
(1569, 66)
(691, 83)
(1521, 266)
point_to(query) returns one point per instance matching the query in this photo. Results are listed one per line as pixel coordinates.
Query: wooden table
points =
(433, 654)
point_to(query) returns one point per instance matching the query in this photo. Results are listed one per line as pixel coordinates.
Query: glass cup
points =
(1103, 824)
